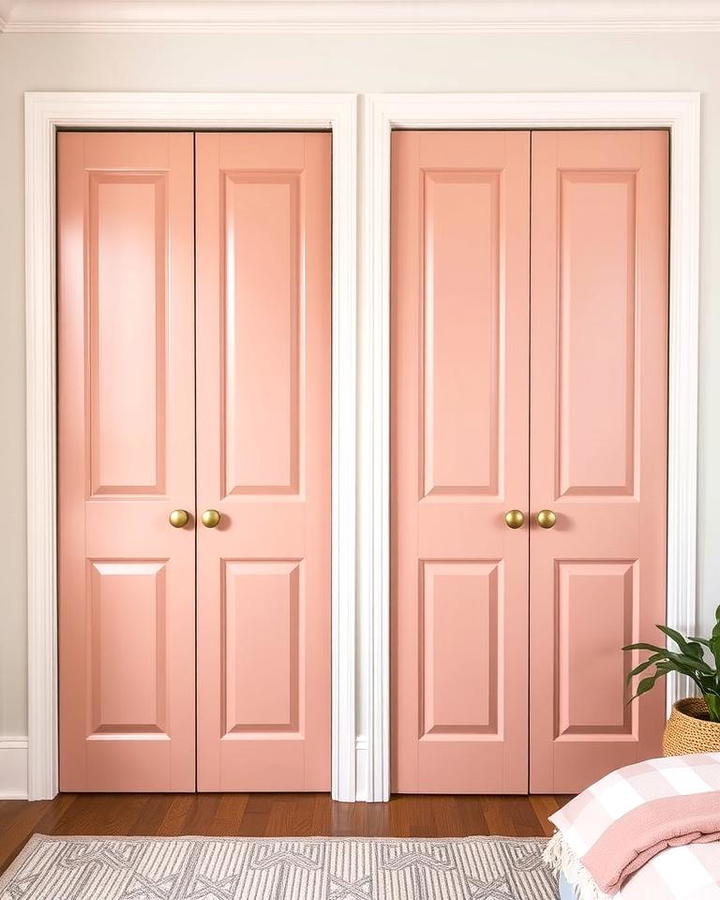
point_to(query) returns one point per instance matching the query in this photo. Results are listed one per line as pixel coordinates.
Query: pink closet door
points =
(598, 447)
(126, 459)
(459, 461)
(263, 443)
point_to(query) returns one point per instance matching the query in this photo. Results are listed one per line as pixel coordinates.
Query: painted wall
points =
(330, 63)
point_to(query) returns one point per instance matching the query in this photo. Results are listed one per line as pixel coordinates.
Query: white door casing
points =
(676, 111)
(44, 114)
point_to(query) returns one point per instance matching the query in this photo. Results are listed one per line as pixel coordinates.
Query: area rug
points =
(210, 868)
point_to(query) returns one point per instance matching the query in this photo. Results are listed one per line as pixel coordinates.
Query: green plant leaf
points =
(642, 667)
(687, 648)
(643, 646)
(713, 705)
(673, 662)
(691, 662)
(715, 643)
(646, 684)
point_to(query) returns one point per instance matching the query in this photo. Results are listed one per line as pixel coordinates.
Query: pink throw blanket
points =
(623, 821)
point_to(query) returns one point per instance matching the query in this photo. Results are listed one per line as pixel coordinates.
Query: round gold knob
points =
(210, 518)
(179, 518)
(514, 518)
(546, 518)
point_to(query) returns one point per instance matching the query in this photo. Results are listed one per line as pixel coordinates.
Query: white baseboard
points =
(361, 768)
(13, 768)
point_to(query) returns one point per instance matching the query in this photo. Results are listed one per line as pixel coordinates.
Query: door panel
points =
(598, 446)
(262, 643)
(263, 400)
(459, 460)
(126, 459)
(263, 233)
(459, 635)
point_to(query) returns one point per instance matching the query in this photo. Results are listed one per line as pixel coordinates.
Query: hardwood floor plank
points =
(229, 814)
(497, 811)
(101, 814)
(179, 808)
(468, 813)
(301, 815)
(25, 819)
(280, 815)
(256, 816)
(378, 819)
(202, 814)
(545, 805)
(345, 819)
(523, 816)
(321, 814)
(152, 815)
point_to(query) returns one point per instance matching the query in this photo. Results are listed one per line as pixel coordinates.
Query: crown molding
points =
(358, 16)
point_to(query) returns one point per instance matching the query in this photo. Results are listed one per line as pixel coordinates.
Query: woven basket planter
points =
(689, 730)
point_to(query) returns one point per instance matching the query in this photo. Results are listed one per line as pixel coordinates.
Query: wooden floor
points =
(271, 815)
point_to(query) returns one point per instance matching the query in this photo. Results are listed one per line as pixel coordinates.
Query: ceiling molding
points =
(359, 16)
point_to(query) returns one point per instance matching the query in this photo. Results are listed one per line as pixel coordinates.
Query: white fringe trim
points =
(561, 858)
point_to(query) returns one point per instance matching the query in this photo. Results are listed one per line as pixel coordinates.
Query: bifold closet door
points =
(588, 559)
(459, 461)
(597, 447)
(126, 458)
(263, 460)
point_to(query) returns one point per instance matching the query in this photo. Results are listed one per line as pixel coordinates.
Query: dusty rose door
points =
(126, 460)
(263, 441)
(459, 461)
(598, 446)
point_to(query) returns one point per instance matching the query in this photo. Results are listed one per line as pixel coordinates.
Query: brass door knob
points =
(514, 518)
(179, 518)
(210, 518)
(546, 518)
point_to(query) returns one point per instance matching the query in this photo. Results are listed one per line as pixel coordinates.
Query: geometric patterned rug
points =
(213, 868)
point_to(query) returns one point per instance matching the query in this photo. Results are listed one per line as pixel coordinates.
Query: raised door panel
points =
(596, 340)
(596, 607)
(263, 297)
(128, 609)
(459, 460)
(263, 611)
(460, 633)
(263, 399)
(598, 449)
(126, 459)
(127, 268)
(460, 336)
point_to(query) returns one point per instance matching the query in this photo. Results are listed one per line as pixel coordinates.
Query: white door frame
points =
(44, 114)
(680, 113)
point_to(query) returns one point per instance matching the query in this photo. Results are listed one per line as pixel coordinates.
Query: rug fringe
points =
(562, 858)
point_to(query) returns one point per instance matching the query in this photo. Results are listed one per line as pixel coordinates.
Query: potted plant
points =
(694, 725)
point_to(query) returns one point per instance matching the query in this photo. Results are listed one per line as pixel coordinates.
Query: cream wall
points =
(331, 63)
